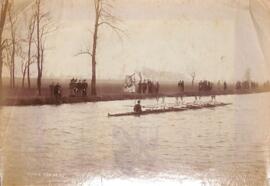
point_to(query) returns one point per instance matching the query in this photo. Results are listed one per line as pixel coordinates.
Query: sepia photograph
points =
(134, 92)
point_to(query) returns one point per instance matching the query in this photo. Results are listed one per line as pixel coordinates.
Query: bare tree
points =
(6, 56)
(11, 44)
(3, 14)
(38, 20)
(103, 17)
(25, 64)
(29, 40)
(12, 20)
(43, 28)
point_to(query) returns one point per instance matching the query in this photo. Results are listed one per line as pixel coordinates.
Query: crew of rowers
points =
(147, 86)
(78, 87)
(138, 108)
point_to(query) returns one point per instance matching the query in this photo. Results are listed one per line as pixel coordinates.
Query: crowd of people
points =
(148, 87)
(78, 87)
(205, 86)
(56, 90)
(246, 85)
(266, 85)
(181, 85)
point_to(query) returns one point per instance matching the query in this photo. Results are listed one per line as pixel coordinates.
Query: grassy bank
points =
(48, 100)
(108, 90)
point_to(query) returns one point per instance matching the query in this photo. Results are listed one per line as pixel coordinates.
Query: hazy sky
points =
(216, 38)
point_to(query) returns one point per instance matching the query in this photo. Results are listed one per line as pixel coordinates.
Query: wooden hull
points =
(172, 109)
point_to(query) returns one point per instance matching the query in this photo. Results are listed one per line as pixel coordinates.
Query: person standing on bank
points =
(138, 108)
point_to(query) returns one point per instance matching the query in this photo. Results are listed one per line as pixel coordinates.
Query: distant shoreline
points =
(47, 100)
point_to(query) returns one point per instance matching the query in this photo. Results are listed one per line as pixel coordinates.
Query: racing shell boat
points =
(170, 109)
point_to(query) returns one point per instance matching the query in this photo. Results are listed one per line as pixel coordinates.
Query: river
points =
(79, 145)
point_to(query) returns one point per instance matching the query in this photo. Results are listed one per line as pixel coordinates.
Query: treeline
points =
(23, 36)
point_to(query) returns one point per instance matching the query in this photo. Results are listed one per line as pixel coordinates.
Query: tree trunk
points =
(28, 76)
(94, 49)
(3, 14)
(38, 49)
(31, 31)
(93, 81)
(23, 78)
(1, 67)
(39, 84)
(23, 81)
(40, 69)
(28, 65)
(13, 65)
(10, 77)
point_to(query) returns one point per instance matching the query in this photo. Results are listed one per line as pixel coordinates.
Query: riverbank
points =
(47, 100)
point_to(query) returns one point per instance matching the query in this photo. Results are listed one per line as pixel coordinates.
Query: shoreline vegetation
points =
(110, 92)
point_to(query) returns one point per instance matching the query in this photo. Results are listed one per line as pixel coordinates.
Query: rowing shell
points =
(170, 109)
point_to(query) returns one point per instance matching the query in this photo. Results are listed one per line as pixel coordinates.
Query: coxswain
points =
(137, 108)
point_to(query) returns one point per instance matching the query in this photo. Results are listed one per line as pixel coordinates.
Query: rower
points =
(196, 99)
(138, 108)
(163, 100)
(157, 99)
(182, 100)
(177, 100)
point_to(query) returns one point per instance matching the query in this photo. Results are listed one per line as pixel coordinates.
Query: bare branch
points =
(110, 25)
(3, 44)
(119, 32)
(83, 53)
(103, 16)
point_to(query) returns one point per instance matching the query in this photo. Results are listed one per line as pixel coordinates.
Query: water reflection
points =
(135, 149)
(79, 145)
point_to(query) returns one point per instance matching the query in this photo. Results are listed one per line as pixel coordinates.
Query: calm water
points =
(79, 145)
